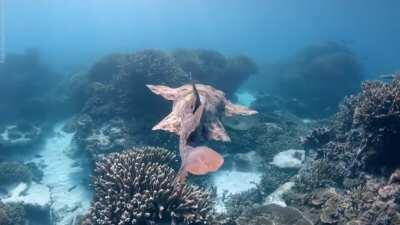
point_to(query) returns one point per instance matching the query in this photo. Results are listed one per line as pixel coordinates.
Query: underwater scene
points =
(189, 112)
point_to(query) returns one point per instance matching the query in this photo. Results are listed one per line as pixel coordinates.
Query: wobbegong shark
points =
(197, 107)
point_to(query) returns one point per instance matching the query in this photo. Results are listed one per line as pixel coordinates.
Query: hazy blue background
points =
(73, 33)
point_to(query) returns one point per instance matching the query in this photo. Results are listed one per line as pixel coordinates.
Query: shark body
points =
(197, 107)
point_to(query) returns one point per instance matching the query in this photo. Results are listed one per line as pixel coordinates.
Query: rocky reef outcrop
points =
(305, 80)
(351, 175)
(138, 187)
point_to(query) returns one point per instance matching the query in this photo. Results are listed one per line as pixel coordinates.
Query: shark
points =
(197, 108)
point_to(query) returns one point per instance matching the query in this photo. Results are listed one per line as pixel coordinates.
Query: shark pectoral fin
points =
(216, 131)
(233, 109)
(202, 160)
(164, 91)
(171, 123)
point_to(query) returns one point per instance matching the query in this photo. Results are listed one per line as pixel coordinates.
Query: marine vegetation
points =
(305, 81)
(353, 176)
(197, 107)
(138, 186)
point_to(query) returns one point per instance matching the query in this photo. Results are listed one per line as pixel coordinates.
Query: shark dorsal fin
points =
(197, 101)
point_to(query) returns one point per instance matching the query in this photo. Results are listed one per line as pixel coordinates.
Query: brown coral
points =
(138, 187)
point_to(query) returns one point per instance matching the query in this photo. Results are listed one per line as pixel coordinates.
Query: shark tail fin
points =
(202, 160)
(233, 109)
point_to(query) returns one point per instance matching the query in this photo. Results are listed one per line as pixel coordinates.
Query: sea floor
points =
(64, 175)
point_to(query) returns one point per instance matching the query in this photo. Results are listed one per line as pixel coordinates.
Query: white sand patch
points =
(291, 158)
(307, 121)
(276, 197)
(69, 197)
(34, 194)
(245, 98)
(233, 182)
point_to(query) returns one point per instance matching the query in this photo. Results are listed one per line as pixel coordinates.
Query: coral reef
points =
(117, 83)
(13, 172)
(307, 79)
(351, 175)
(213, 68)
(138, 187)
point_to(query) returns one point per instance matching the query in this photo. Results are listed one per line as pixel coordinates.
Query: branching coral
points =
(355, 157)
(138, 187)
(377, 112)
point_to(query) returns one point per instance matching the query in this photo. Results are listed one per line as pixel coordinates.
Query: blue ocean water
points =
(258, 112)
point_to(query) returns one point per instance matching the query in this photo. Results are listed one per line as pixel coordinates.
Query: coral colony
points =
(138, 187)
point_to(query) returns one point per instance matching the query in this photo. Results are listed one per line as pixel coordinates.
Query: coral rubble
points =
(138, 187)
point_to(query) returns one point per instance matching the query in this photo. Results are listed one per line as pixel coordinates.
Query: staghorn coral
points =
(138, 187)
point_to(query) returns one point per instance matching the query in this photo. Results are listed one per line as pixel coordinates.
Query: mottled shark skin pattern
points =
(197, 107)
